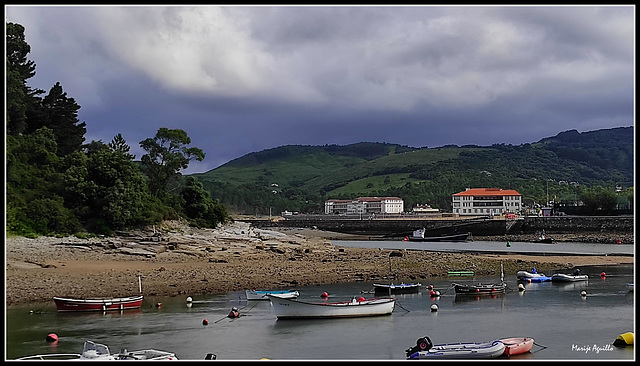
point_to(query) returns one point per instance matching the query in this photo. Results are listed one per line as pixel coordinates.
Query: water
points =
(570, 326)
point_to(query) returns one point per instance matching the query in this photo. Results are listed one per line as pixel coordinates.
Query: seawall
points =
(399, 227)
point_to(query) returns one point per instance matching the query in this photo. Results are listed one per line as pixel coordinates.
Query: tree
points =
(167, 154)
(199, 207)
(18, 70)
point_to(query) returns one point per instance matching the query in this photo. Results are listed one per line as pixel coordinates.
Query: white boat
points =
(99, 352)
(561, 277)
(424, 349)
(262, 294)
(295, 309)
(532, 276)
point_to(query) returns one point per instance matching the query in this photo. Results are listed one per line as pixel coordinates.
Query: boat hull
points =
(103, 304)
(561, 277)
(295, 309)
(532, 277)
(516, 346)
(480, 289)
(462, 350)
(262, 295)
(383, 289)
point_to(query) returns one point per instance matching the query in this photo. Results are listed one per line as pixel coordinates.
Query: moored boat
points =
(403, 288)
(98, 304)
(99, 352)
(532, 276)
(296, 309)
(516, 346)
(424, 349)
(418, 235)
(482, 289)
(561, 277)
(262, 294)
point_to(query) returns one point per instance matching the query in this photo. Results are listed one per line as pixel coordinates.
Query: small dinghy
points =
(561, 277)
(425, 350)
(262, 294)
(99, 352)
(403, 288)
(532, 276)
(516, 346)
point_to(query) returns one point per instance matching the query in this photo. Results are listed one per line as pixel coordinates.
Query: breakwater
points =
(399, 227)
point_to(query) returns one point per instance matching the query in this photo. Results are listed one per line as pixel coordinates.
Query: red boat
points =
(101, 304)
(516, 346)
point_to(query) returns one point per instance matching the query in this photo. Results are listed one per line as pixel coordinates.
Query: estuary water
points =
(564, 324)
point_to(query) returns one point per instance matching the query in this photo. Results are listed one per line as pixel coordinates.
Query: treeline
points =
(58, 184)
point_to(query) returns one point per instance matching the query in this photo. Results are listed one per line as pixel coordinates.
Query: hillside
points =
(300, 178)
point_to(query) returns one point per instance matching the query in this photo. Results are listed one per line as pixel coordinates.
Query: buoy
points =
(434, 308)
(583, 293)
(430, 287)
(189, 300)
(52, 337)
(619, 241)
(406, 238)
(233, 313)
(437, 293)
(508, 244)
(361, 299)
(624, 339)
(205, 322)
(158, 304)
(520, 287)
(432, 293)
(324, 295)
(603, 274)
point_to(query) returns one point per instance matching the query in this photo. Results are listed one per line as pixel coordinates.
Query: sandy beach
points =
(177, 260)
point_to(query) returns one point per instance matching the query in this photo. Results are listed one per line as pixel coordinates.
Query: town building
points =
(365, 205)
(486, 201)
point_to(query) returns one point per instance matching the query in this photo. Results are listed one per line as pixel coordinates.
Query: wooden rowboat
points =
(516, 346)
(262, 294)
(296, 309)
(98, 304)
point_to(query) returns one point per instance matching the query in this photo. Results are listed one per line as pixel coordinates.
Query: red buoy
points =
(52, 337)
(158, 304)
(406, 238)
(603, 274)
(430, 287)
(361, 299)
(324, 295)
(619, 241)
(432, 293)
(205, 322)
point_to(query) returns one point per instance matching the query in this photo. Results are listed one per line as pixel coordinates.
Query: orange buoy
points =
(52, 337)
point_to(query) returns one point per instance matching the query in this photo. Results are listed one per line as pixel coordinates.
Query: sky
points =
(242, 79)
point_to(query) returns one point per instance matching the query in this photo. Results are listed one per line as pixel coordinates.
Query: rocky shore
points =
(176, 260)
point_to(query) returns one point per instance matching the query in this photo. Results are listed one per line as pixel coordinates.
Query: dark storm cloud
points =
(248, 78)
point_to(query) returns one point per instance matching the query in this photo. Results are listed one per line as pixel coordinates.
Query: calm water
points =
(570, 326)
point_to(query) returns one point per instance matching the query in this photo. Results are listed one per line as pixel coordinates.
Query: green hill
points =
(301, 178)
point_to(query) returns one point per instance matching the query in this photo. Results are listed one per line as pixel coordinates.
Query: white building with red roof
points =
(486, 201)
(365, 205)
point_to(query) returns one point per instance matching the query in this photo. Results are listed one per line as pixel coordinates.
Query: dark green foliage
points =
(198, 206)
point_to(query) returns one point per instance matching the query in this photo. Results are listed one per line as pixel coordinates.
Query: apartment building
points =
(486, 201)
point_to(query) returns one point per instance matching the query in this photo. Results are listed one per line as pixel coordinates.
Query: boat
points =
(630, 287)
(418, 235)
(561, 277)
(403, 288)
(296, 309)
(460, 273)
(516, 346)
(482, 289)
(544, 239)
(262, 294)
(99, 352)
(532, 276)
(98, 304)
(424, 349)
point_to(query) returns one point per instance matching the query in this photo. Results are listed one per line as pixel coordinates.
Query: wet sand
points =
(177, 260)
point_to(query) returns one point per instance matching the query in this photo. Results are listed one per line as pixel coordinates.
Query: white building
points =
(365, 205)
(486, 201)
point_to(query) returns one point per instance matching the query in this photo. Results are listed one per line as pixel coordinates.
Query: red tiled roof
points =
(488, 192)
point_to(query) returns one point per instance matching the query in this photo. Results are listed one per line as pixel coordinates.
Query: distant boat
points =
(460, 273)
(544, 239)
(418, 235)
(482, 289)
(424, 349)
(98, 304)
(403, 288)
(262, 294)
(98, 352)
(295, 309)
(532, 277)
(561, 277)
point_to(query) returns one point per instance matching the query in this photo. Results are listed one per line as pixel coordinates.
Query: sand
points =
(177, 260)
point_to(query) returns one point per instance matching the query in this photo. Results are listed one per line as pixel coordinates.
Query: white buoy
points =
(434, 308)
(583, 293)
(520, 287)
(189, 300)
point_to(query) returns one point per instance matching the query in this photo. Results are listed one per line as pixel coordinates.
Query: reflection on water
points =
(554, 314)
